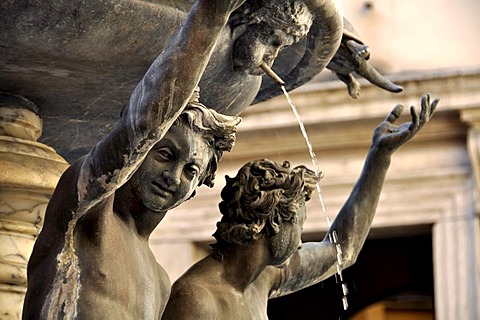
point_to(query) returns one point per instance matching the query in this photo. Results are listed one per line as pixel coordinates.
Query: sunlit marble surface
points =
(29, 174)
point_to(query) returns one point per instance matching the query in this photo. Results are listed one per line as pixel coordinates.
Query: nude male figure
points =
(92, 259)
(259, 255)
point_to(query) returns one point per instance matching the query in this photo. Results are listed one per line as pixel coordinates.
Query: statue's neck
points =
(243, 264)
(132, 211)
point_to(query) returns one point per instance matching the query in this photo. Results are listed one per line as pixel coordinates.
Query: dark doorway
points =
(395, 269)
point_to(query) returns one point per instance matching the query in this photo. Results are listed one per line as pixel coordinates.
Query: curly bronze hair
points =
(292, 17)
(262, 195)
(217, 129)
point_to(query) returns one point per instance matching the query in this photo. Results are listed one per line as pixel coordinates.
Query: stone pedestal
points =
(29, 172)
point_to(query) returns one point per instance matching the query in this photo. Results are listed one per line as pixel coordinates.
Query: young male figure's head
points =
(186, 157)
(268, 28)
(265, 200)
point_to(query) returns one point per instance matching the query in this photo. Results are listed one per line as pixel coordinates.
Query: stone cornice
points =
(328, 102)
(335, 121)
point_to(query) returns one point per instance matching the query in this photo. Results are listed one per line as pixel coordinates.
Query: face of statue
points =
(288, 240)
(256, 45)
(171, 171)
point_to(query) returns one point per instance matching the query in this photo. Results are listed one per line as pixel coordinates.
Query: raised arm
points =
(355, 218)
(157, 100)
(315, 262)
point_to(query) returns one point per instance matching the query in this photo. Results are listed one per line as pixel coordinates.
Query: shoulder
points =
(190, 300)
(65, 195)
(164, 285)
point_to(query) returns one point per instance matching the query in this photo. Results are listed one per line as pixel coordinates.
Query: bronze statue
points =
(258, 254)
(92, 259)
(298, 39)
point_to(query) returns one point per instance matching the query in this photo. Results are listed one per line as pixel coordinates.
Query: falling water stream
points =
(333, 235)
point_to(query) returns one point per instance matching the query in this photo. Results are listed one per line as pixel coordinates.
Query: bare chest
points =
(251, 304)
(119, 275)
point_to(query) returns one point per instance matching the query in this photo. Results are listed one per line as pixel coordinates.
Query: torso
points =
(119, 276)
(251, 304)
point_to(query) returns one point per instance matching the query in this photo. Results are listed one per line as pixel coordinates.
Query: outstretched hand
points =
(388, 136)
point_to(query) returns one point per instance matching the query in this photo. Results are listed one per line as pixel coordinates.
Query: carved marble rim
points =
(49, 151)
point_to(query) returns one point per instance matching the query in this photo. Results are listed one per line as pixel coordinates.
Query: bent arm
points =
(156, 102)
(355, 218)
(315, 262)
